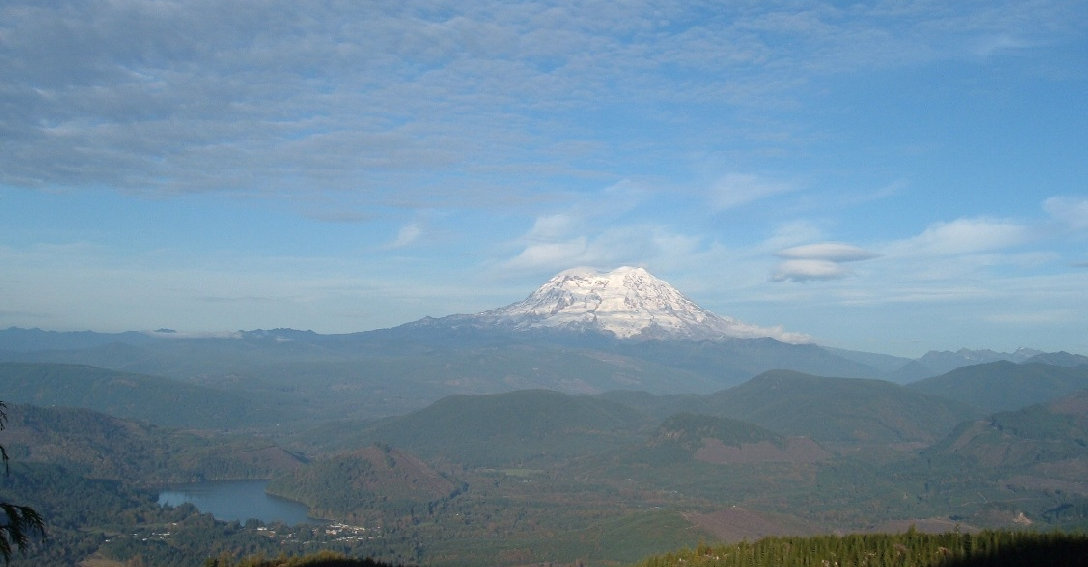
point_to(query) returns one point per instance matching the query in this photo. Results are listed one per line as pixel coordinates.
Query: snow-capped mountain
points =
(628, 303)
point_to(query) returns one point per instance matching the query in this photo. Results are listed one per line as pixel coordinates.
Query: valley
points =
(606, 478)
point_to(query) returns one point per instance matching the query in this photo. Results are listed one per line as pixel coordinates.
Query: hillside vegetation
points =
(1005, 386)
(839, 410)
(1043, 447)
(151, 399)
(911, 549)
(525, 428)
(105, 447)
(531, 476)
(352, 486)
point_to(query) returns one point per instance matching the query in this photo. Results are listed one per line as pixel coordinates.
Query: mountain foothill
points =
(604, 418)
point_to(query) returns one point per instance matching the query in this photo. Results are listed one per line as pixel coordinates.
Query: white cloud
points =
(830, 251)
(1071, 211)
(590, 232)
(561, 241)
(551, 227)
(819, 261)
(990, 45)
(553, 256)
(962, 236)
(408, 234)
(809, 270)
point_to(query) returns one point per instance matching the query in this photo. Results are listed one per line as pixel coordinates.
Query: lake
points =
(230, 500)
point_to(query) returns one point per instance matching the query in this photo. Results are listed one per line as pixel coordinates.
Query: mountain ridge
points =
(1004, 385)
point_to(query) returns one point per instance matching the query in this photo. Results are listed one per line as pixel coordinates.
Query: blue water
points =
(230, 500)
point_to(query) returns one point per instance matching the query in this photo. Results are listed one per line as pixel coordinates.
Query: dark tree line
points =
(911, 549)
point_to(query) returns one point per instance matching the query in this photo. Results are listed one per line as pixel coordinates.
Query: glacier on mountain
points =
(628, 303)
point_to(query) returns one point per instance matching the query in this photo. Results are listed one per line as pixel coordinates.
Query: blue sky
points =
(884, 176)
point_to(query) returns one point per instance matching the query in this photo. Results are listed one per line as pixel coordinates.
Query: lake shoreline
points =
(236, 500)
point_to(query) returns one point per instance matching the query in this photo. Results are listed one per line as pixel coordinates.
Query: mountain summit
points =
(628, 303)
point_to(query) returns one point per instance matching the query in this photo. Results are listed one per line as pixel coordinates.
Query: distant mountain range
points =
(935, 362)
(582, 332)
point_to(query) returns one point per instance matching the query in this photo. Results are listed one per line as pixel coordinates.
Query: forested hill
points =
(537, 475)
(1005, 386)
(106, 447)
(841, 410)
(152, 399)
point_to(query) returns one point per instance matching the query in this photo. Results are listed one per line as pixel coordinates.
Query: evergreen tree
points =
(18, 523)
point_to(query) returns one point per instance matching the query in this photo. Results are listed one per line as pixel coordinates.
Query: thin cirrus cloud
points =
(406, 236)
(738, 189)
(213, 100)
